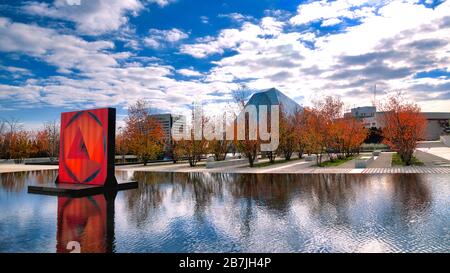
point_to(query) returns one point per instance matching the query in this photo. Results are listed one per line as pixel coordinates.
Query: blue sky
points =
(76, 54)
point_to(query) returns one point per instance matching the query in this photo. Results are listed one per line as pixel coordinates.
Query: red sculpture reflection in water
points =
(87, 222)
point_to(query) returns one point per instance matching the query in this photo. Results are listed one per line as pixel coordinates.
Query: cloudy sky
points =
(76, 54)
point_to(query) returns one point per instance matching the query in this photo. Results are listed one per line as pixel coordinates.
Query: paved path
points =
(431, 160)
(435, 148)
(12, 168)
(289, 167)
(296, 166)
(384, 160)
(411, 169)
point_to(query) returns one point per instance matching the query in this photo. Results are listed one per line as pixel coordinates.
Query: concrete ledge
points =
(77, 190)
(363, 161)
(310, 157)
(445, 140)
(210, 163)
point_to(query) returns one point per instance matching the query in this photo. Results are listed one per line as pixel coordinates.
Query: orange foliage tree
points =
(144, 134)
(248, 146)
(21, 146)
(47, 140)
(349, 134)
(191, 147)
(219, 148)
(315, 131)
(300, 123)
(323, 129)
(403, 125)
(288, 143)
(121, 144)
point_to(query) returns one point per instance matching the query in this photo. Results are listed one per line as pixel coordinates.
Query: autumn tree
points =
(300, 132)
(315, 131)
(20, 146)
(144, 134)
(330, 109)
(403, 125)
(121, 143)
(219, 145)
(9, 128)
(247, 145)
(47, 140)
(2, 138)
(191, 149)
(288, 143)
(193, 145)
(349, 135)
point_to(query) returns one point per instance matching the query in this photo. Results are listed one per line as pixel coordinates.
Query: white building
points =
(437, 122)
(167, 121)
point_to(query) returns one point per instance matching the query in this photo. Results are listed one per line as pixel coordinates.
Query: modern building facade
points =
(437, 122)
(274, 96)
(364, 111)
(167, 121)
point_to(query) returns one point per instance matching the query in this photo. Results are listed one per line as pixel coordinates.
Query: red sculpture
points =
(87, 147)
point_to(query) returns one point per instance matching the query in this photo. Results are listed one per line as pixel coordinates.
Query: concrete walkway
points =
(435, 148)
(431, 160)
(12, 168)
(384, 160)
(433, 164)
(288, 166)
(381, 161)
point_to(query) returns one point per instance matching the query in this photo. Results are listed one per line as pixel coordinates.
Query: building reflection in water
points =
(215, 212)
(87, 221)
(317, 212)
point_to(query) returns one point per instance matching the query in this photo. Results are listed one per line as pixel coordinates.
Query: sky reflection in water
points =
(200, 212)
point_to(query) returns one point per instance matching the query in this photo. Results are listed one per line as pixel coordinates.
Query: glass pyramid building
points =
(274, 96)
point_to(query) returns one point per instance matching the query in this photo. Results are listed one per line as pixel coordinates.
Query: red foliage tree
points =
(403, 125)
(144, 134)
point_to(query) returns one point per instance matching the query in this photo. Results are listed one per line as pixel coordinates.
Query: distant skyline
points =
(76, 54)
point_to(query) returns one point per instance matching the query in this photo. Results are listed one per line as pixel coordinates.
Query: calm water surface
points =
(232, 213)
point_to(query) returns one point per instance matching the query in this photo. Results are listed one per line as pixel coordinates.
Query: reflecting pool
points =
(204, 212)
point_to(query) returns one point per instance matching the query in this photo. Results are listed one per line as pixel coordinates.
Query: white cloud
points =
(15, 72)
(92, 17)
(230, 38)
(236, 17)
(204, 19)
(103, 78)
(162, 3)
(324, 10)
(386, 49)
(66, 52)
(157, 38)
(331, 22)
(152, 42)
(189, 72)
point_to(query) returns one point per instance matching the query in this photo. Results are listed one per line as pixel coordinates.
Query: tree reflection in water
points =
(329, 199)
(235, 212)
(17, 181)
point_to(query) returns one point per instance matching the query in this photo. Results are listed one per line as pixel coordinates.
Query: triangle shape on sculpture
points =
(78, 150)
